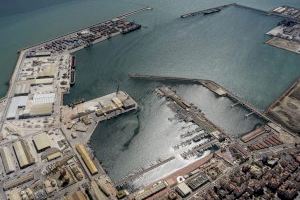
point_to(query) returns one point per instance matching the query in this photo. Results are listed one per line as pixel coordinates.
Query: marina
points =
(211, 85)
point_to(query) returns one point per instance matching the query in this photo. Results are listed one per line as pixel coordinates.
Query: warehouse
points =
(15, 105)
(11, 183)
(183, 190)
(81, 149)
(38, 110)
(78, 195)
(41, 142)
(23, 153)
(42, 81)
(54, 156)
(99, 195)
(22, 88)
(7, 160)
(117, 102)
(49, 71)
(43, 98)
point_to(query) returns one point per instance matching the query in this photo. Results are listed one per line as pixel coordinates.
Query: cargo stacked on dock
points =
(87, 37)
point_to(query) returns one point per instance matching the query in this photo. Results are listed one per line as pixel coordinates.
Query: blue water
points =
(227, 47)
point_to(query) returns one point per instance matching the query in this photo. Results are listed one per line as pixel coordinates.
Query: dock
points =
(80, 120)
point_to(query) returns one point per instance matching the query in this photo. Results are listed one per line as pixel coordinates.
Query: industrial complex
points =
(44, 151)
(43, 144)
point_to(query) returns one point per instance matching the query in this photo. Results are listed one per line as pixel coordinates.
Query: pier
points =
(235, 104)
(135, 12)
(220, 8)
(251, 8)
(206, 11)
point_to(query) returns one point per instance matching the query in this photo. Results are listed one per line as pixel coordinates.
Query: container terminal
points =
(44, 145)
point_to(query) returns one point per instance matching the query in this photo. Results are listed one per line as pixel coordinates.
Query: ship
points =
(72, 82)
(131, 28)
(211, 11)
(73, 64)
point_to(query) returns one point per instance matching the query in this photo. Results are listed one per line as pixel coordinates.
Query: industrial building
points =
(41, 142)
(7, 160)
(147, 192)
(22, 88)
(49, 71)
(23, 154)
(183, 190)
(43, 98)
(38, 110)
(117, 102)
(16, 104)
(78, 195)
(197, 181)
(42, 81)
(54, 156)
(99, 195)
(11, 183)
(81, 149)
